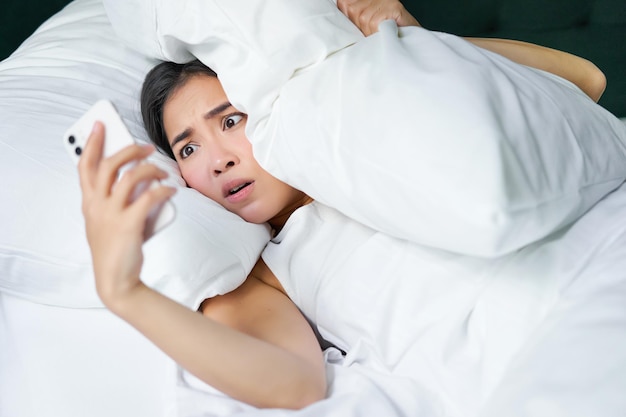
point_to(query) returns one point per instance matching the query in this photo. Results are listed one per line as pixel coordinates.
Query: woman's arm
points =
(253, 343)
(286, 364)
(367, 14)
(573, 68)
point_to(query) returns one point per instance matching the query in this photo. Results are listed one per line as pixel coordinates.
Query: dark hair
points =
(160, 83)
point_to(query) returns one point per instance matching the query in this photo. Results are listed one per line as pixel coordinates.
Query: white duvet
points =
(541, 332)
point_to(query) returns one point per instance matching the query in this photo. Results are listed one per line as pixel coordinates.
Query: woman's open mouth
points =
(238, 191)
(238, 188)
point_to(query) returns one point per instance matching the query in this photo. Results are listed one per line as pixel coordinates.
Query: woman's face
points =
(207, 136)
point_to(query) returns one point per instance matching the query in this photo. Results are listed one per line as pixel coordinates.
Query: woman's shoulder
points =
(235, 308)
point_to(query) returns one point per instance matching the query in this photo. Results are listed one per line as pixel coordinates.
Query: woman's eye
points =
(187, 150)
(232, 120)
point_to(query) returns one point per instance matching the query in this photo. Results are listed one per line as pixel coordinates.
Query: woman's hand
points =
(114, 225)
(367, 14)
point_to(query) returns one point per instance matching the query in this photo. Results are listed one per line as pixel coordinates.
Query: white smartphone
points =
(116, 138)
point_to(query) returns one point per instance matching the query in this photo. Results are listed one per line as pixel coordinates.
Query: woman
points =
(253, 343)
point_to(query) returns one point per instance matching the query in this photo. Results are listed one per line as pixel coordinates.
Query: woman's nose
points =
(223, 159)
(223, 166)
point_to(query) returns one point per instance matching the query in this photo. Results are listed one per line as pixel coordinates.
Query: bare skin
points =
(367, 14)
(579, 71)
(207, 137)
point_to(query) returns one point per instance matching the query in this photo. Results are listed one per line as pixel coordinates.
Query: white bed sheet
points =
(565, 358)
(64, 362)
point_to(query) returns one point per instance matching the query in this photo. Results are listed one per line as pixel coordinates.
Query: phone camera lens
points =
(78, 150)
(71, 139)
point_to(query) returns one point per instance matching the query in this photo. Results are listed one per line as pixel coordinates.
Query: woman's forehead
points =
(197, 91)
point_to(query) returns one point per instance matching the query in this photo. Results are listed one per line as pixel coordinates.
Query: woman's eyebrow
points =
(180, 137)
(217, 110)
(208, 115)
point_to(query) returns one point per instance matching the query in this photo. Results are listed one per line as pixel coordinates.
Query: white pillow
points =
(417, 134)
(70, 62)
(443, 143)
(254, 46)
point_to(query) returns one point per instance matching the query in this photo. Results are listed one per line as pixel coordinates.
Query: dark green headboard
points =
(594, 29)
(20, 18)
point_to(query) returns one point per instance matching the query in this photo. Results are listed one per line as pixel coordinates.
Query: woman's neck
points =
(277, 222)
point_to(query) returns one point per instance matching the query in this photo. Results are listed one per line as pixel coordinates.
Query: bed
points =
(562, 352)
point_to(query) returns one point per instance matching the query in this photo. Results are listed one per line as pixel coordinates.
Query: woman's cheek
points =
(193, 180)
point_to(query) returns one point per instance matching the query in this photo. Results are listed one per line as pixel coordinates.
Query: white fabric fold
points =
(254, 46)
(429, 138)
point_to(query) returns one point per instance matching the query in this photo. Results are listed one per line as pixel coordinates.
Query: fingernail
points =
(97, 126)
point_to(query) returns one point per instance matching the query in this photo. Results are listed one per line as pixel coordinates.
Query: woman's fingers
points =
(98, 174)
(368, 14)
(90, 158)
(153, 197)
(105, 200)
(138, 192)
(134, 181)
(110, 167)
